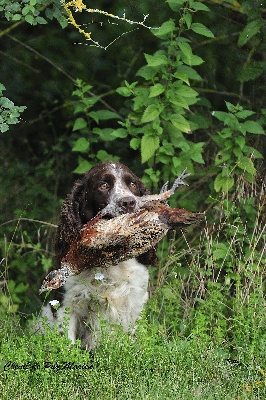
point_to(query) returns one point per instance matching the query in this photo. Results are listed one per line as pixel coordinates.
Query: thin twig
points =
(29, 220)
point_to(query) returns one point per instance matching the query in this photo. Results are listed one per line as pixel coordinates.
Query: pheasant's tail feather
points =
(187, 218)
(176, 217)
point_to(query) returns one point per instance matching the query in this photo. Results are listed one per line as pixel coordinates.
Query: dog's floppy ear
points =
(70, 221)
(143, 188)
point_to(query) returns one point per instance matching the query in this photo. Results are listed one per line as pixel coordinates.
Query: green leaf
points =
(124, 91)
(247, 165)
(195, 60)
(188, 19)
(197, 157)
(184, 146)
(168, 293)
(119, 133)
(201, 30)
(147, 72)
(27, 9)
(151, 113)
(220, 115)
(237, 152)
(225, 133)
(253, 127)
(141, 99)
(4, 127)
(6, 103)
(200, 120)
(230, 107)
(156, 60)
(102, 155)
(176, 162)
(16, 17)
(182, 76)
(180, 122)
(178, 100)
(220, 251)
(80, 123)
(149, 144)
(103, 115)
(249, 31)
(167, 148)
(104, 133)
(21, 287)
(186, 50)
(244, 114)
(240, 141)
(135, 143)
(175, 5)
(196, 152)
(190, 72)
(221, 157)
(2, 88)
(40, 20)
(30, 19)
(223, 183)
(251, 71)
(83, 166)
(255, 153)
(81, 88)
(199, 6)
(63, 21)
(166, 28)
(156, 90)
(81, 145)
(186, 91)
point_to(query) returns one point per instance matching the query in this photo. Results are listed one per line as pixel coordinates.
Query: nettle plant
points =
(89, 116)
(235, 157)
(160, 122)
(163, 116)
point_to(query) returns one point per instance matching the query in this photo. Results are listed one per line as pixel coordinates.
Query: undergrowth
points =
(215, 290)
(203, 335)
(147, 366)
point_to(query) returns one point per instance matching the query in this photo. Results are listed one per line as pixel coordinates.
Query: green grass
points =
(147, 366)
(204, 336)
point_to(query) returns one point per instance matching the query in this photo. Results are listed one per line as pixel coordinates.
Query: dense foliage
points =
(182, 87)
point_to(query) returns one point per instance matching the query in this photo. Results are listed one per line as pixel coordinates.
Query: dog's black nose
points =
(127, 204)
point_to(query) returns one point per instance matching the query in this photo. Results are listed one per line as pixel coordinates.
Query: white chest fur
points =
(116, 295)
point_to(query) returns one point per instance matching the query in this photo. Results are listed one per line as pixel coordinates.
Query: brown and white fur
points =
(116, 294)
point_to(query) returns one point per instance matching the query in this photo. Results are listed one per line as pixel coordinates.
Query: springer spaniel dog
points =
(116, 294)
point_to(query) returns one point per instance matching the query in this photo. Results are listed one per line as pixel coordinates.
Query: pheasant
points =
(105, 242)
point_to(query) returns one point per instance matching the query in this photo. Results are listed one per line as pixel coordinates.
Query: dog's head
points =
(110, 184)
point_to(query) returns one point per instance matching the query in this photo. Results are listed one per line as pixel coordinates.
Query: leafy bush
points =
(9, 113)
(215, 290)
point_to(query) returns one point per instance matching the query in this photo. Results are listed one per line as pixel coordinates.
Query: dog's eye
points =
(103, 186)
(133, 185)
